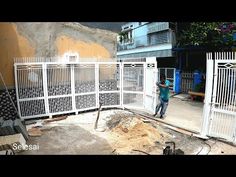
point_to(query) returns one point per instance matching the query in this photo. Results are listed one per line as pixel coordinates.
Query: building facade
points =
(140, 40)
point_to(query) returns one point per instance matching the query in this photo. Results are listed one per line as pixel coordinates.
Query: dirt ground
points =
(119, 132)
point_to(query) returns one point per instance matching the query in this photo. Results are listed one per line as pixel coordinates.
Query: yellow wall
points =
(12, 44)
(85, 50)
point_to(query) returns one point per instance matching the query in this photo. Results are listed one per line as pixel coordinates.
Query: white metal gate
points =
(170, 75)
(50, 88)
(219, 118)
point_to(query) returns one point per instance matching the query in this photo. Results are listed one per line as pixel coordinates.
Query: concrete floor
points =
(185, 113)
(76, 134)
(68, 139)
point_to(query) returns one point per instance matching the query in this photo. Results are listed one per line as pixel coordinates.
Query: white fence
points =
(50, 88)
(219, 118)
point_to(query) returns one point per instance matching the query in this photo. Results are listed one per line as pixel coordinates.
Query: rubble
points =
(131, 133)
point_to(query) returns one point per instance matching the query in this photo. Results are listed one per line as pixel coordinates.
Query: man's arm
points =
(164, 85)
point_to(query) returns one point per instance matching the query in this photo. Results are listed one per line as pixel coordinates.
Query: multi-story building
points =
(140, 40)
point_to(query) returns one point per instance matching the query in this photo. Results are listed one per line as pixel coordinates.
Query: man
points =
(164, 96)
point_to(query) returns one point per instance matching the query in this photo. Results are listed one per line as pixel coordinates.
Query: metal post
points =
(16, 88)
(208, 94)
(97, 83)
(45, 90)
(144, 83)
(122, 85)
(72, 72)
(121, 90)
(155, 87)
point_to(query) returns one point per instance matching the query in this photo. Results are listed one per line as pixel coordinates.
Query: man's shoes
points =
(154, 115)
(161, 117)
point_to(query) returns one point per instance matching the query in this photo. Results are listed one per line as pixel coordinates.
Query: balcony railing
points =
(147, 40)
(157, 26)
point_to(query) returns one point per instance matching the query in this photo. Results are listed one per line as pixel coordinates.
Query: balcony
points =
(157, 26)
(159, 38)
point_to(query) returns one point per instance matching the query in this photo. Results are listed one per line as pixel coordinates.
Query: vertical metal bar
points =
(220, 86)
(144, 83)
(73, 88)
(208, 93)
(122, 85)
(227, 94)
(28, 85)
(212, 114)
(120, 75)
(17, 91)
(45, 88)
(154, 86)
(215, 83)
(52, 79)
(234, 91)
(97, 83)
(230, 89)
(23, 82)
(234, 133)
(223, 90)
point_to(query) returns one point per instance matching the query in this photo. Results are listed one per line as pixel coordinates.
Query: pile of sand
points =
(131, 133)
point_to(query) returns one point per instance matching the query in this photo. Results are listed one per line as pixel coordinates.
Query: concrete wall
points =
(52, 39)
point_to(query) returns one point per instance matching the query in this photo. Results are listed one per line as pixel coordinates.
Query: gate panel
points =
(150, 87)
(85, 90)
(133, 84)
(50, 88)
(30, 93)
(223, 115)
(109, 84)
(59, 88)
(220, 111)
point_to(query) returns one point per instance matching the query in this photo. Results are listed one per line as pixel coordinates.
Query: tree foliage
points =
(209, 35)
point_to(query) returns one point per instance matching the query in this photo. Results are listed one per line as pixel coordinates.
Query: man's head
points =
(162, 78)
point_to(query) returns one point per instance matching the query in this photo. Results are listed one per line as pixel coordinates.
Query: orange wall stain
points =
(12, 44)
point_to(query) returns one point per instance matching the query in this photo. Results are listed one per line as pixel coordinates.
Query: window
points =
(158, 38)
(127, 37)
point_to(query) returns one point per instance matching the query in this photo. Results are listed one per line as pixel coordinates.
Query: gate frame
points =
(72, 82)
(210, 94)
